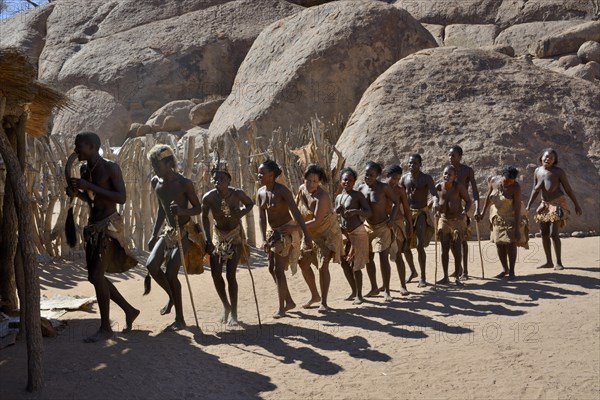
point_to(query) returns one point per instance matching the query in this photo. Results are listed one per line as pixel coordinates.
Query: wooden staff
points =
(254, 291)
(479, 243)
(183, 262)
(436, 251)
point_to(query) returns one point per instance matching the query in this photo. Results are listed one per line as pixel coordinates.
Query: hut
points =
(25, 106)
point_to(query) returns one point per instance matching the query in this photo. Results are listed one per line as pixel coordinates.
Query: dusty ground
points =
(537, 338)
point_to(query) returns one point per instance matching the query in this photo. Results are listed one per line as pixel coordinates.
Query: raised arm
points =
(565, 184)
(534, 191)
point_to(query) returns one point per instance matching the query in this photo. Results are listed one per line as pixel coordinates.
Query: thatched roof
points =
(24, 93)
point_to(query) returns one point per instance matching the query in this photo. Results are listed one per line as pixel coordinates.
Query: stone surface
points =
(567, 41)
(204, 113)
(93, 110)
(472, 36)
(437, 31)
(521, 36)
(144, 54)
(589, 71)
(317, 62)
(26, 30)
(174, 116)
(589, 51)
(501, 110)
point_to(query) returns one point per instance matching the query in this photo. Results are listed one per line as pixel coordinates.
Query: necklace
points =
(94, 167)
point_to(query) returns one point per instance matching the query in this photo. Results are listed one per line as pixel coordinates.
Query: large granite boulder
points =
(93, 110)
(501, 110)
(317, 62)
(521, 36)
(144, 54)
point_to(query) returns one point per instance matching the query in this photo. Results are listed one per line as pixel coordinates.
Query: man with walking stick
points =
(175, 193)
(466, 176)
(228, 205)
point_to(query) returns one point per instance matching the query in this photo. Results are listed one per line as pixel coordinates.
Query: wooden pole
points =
(32, 284)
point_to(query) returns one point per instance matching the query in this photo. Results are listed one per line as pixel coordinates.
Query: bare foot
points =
(453, 275)
(558, 267)
(387, 296)
(443, 281)
(457, 282)
(225, 316)
(372, 293)
(358, 300)
(290, 306)
(464, 277)
(547, 265)
(512, 277)
(99, 336)
(312, 301)
(324, 308)
(279, 314)
(404, 291)
(175, 326)
(382, 289)
(351, 297)
(129, 318)
(233, 322)
(422, 283)
(500, 275)
(412, 276)
(166, 309)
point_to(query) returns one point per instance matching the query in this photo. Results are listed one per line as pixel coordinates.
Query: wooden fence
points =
(46, 182)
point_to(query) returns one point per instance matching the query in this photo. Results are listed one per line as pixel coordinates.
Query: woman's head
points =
(348, 178)
(372, 171)
(313, 176)
(393, 173)
(548, 157)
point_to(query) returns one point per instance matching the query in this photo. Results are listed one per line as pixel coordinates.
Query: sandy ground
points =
(537, 338)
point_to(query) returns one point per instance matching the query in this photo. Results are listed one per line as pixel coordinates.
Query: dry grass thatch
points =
(23, 93)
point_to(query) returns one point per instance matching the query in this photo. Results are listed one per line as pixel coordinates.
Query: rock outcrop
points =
(317, 62)
(501, 110)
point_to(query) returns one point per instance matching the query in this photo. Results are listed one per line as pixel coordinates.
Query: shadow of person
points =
(132, 365)
(289, 344)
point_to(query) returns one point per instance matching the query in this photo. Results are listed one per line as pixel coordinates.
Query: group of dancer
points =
(389, 214)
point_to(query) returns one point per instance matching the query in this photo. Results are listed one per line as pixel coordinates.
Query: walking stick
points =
(183, 262)
(436, 251)
(480, 254)
(254, 291)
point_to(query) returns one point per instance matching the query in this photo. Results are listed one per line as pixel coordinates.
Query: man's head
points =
(415, 162)
(455, 155)
(393, 173)
(372, 171)
(162, 158)
(268, 171)
(509, 175)
(87, 145)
